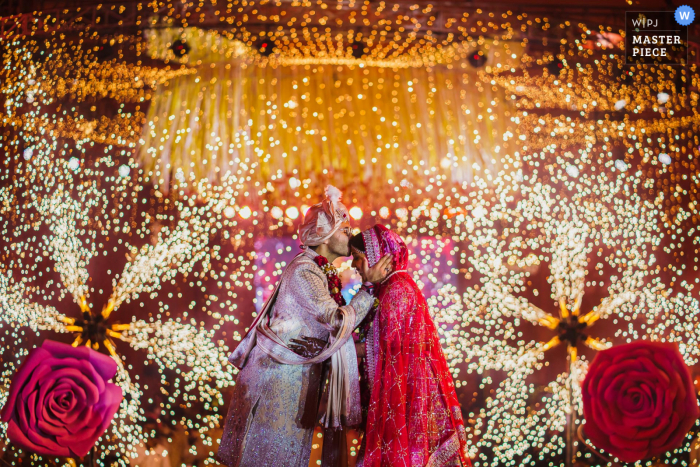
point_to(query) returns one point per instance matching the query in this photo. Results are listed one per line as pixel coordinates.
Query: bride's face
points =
(358, 258)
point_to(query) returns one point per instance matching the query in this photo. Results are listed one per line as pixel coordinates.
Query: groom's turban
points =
(322, 220)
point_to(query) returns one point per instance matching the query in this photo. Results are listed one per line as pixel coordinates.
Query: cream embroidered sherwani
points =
(274, 406)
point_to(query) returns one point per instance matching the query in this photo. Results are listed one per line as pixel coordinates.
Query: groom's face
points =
(339, 243)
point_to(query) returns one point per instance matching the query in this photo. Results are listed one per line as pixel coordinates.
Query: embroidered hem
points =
(446, 452)
(372, 246)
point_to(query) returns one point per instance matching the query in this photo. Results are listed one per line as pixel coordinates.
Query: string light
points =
(72, 244)
(566, 225)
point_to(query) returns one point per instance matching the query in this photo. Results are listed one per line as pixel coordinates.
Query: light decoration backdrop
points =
(547, 183)
(591, 228)
(71, 210)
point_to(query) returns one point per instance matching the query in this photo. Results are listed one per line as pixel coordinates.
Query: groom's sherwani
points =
(274, 406)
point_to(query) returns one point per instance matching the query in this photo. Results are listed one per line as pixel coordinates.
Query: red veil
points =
(414, 418)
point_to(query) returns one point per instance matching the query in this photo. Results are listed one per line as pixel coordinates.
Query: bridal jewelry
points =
(387, 277)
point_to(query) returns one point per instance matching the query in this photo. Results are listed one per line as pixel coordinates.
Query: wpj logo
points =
(657, 37)
(644, 22)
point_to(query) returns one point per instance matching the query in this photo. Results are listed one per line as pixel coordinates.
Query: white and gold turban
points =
(322, 220)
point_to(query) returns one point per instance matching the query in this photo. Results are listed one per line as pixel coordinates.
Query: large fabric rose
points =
(60, 400)
(638, 400)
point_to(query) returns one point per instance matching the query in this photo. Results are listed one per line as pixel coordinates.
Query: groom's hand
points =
(378, 272)
(360, 349)
(307, 347)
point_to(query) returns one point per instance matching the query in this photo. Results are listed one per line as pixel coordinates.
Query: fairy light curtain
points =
(322, 121)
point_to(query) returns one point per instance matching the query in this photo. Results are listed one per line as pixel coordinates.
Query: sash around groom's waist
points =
(278, 350)
(343, 407)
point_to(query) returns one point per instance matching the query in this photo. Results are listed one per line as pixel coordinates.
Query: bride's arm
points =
(313, 297)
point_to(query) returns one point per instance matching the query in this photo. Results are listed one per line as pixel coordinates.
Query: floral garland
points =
(334, 284)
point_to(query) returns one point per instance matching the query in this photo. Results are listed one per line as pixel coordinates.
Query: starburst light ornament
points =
(593, 232)
(73, 211)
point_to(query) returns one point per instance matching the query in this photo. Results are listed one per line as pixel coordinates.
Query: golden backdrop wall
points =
(323, 121)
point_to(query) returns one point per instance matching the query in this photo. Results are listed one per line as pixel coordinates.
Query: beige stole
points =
(343, 406)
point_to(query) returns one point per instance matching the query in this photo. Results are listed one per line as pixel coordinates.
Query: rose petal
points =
(80, 400)
(18, 381)
(630, 444)
(45, 447)
(61, 397)
(106, 409)
(104, 365)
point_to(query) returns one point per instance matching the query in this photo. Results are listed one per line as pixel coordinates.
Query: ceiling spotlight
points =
(555, 66)
(276, 212)
(265, 47)
(662, 97)
(478, 212)
(572, 170)
(229, 212)
(477, 59)
(357, 49)
(27, 153)
(124, 170)
(74, 163)
(180, 48)
(384, 212)
(665, 159)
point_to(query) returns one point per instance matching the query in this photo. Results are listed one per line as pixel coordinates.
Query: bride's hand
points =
(378, 272)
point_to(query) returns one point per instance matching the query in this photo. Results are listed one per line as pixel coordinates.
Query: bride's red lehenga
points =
(413, 418)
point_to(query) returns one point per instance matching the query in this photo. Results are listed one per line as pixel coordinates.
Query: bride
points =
(413, 416)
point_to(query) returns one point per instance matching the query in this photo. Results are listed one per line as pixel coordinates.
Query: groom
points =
(275, 402)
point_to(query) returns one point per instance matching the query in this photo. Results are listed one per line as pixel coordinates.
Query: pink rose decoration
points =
(639, 400)
(60, 402)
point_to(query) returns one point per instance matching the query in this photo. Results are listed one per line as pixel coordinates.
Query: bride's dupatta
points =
(414, 417)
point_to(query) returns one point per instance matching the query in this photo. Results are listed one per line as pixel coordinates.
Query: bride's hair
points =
(357, 242)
